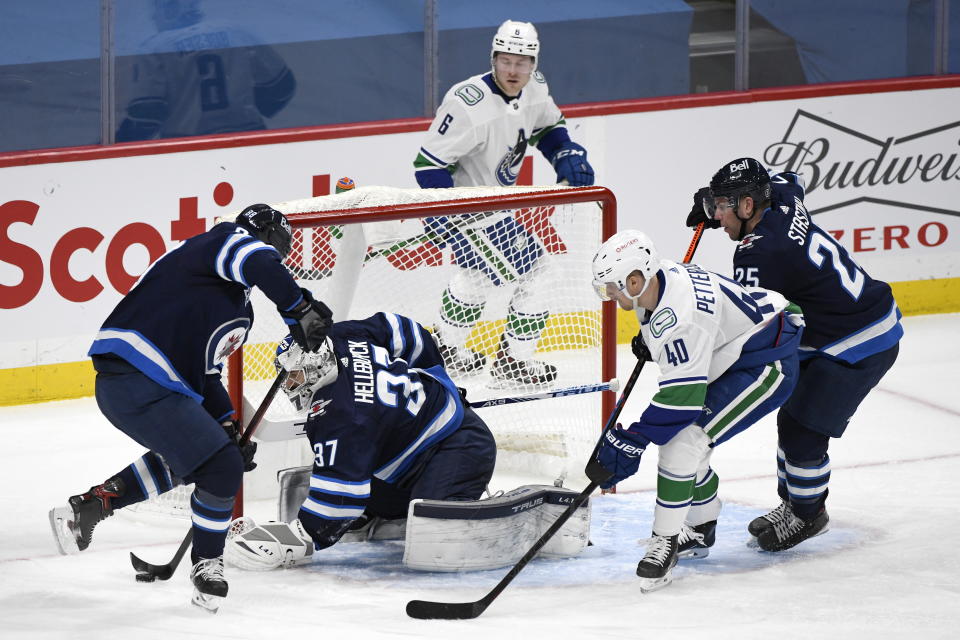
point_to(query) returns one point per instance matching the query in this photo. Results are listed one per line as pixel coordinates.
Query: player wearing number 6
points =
(851, 339)
(727, 355)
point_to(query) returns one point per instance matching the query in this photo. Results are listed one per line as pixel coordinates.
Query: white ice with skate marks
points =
(882, 572)
(619, 525)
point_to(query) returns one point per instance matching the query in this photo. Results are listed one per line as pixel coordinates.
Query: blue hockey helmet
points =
(269, 226)
(737, 179)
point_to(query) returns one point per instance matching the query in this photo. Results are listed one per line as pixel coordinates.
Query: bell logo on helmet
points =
(739, 166)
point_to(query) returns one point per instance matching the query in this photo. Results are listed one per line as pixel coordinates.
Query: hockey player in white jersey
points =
(479, 138)
(727, 355)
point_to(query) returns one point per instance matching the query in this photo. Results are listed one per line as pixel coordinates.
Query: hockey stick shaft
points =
(610, 385)
(152, 572)
(426, 610)
(694, 243)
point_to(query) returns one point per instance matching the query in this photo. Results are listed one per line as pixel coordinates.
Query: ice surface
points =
(886, 569)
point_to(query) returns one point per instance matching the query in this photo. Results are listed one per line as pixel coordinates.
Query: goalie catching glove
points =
(570, 163)
(619, 453)
(309, 321)
(268, 546)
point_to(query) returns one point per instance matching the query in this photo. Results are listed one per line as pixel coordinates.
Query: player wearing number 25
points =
(727, 355)
(851, 339)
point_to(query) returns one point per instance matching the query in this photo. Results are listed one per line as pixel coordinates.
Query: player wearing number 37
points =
(851, 339)
(727, 355)
(386, 424)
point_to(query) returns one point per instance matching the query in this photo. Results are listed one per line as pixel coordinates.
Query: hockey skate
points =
(655, 570)
(695, 542)
(73, 525)
(209, 587)
(507, 371)
(792, 530)
(767, 520)
(460, 359)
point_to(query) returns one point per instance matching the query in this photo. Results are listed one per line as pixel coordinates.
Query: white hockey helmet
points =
(519, 38)
(618, 257)
(306, 372)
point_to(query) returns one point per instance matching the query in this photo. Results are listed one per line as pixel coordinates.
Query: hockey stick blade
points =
(147, 572)
(424, 610)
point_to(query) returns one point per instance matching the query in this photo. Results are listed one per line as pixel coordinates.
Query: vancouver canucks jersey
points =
(202, 79)
(481, 136)
(191, 309)
(391, 402)
(700, 328)
(849, 315)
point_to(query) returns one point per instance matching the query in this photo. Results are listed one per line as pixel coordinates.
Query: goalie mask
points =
(618, 257)
(269, 226)
(519, 38)
(306, 372)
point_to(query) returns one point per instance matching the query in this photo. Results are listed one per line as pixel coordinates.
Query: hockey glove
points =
(619, 453)
(309, 322)
(247, 451)
(698, 214)
(570, 163)
(639, 348)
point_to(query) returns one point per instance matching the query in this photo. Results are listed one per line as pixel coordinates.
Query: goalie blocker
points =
(441, 535)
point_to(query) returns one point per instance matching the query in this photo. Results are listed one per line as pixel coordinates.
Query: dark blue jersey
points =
(848, 314)
(391, 402)
(191, 309)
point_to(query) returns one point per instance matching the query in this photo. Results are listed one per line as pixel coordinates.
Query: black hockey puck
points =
(145, 577)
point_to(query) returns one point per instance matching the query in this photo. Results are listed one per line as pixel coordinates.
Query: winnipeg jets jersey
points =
(698, 330)
(481, 136)
(391, 402)
(191, 309)
(849, 315)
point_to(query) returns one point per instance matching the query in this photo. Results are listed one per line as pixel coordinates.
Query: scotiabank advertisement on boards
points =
(882, 174)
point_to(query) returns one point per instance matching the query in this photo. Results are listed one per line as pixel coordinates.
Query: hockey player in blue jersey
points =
(386, 425)
(851, 338)
(158, 358)
(727, 355)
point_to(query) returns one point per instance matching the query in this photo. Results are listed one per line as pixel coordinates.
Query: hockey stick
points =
(426, 610)
(611, 385)
(694, 243)
(147, 572)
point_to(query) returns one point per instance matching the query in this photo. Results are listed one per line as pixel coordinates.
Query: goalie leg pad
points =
(475, 535)
(268, 546)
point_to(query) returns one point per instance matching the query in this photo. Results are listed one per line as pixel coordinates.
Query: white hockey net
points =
(512, 261)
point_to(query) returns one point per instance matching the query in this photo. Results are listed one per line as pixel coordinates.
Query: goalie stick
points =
(147, 572)
(426, 610)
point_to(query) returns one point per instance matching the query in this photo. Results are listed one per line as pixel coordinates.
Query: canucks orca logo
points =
(509, 167)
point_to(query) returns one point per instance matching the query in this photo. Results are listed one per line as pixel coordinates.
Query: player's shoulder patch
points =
(749, 241)
(539, 77)
(470, 93)
(661, 321)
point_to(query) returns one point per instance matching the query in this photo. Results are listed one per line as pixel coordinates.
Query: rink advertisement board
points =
(77, 227)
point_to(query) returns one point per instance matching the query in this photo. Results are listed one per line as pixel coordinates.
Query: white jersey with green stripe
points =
(481, 136)
(696, 332)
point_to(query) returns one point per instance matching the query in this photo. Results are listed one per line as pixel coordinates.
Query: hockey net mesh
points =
(483, 273)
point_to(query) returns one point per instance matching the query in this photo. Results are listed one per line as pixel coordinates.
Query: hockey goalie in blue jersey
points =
(851, 338)
(158, 358)
(727, 355)
(386, 425)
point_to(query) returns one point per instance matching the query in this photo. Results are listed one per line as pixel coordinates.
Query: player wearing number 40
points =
(851, 338)
(727, 355)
